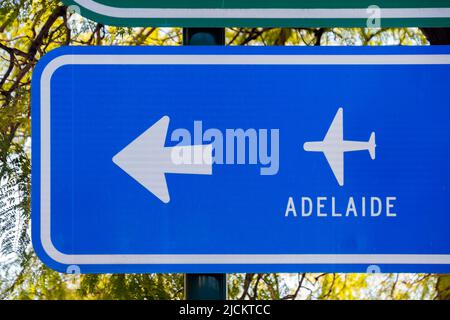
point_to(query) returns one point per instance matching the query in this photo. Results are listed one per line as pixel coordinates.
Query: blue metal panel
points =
(89, 104)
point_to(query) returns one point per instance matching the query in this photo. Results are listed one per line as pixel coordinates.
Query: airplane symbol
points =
(334, 146)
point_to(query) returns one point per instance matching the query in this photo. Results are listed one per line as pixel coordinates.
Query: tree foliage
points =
(31, 28)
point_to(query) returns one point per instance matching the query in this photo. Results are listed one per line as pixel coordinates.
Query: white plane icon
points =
(334, 146)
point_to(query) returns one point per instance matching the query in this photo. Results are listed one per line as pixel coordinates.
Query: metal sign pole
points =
(204, 286)
(203, 36)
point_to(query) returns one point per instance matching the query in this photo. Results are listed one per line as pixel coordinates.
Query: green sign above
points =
(266, 13)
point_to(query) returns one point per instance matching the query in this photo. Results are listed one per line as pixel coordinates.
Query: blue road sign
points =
(242, 159)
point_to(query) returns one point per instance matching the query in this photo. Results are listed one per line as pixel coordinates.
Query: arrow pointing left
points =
(147, 160)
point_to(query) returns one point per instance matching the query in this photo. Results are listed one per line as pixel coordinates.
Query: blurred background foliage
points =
(29, 29)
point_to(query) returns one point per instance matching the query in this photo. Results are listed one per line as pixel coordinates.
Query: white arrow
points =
(147, 160)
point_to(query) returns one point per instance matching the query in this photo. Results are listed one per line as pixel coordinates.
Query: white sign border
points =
(207, 259)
